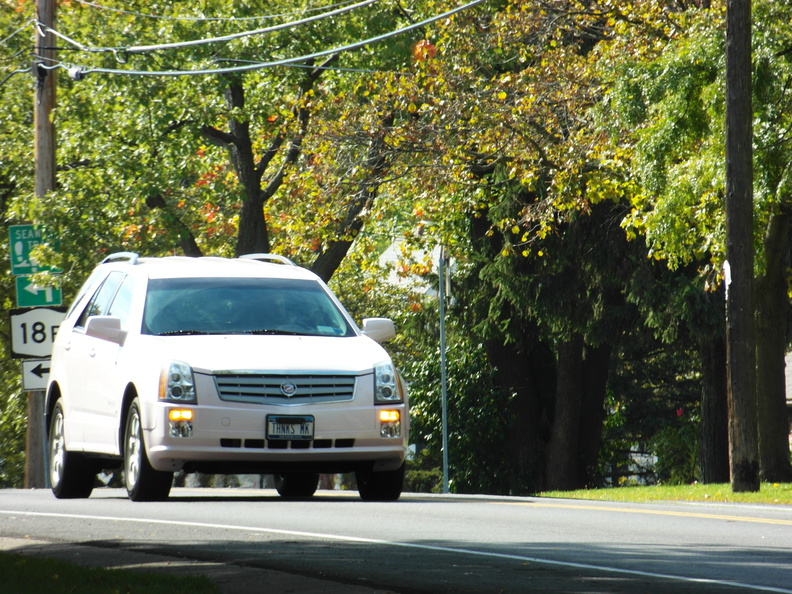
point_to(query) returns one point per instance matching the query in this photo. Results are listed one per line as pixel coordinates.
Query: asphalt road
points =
(422, 543)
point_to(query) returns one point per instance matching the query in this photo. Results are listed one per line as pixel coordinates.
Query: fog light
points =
(390, 423)
(180, 422)
(179, 414)
(389, 415)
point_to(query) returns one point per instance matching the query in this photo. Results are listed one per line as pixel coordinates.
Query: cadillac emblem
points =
(288, 389)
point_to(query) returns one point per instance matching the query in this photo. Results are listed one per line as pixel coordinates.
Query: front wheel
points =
(143, 483)
(380, 486)
(71, 476)
(296, 484)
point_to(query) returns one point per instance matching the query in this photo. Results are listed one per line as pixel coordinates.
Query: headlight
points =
(386, 384)
(177, 383)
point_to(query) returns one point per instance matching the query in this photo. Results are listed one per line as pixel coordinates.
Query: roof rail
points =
(268, 258)
(130, 257)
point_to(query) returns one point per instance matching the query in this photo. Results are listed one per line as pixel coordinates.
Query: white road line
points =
(408, 545)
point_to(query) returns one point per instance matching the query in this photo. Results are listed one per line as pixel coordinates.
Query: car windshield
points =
(185, 306)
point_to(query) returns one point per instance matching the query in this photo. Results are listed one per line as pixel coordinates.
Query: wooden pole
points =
(44, 153)
(741, 351)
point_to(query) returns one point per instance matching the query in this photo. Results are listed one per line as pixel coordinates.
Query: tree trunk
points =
(714, 432)
(253, 233)
(741, 351)
(771, 307)
(563, 471)
(514, 375)
(596, 367)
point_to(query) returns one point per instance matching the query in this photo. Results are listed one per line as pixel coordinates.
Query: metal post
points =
(443, 377)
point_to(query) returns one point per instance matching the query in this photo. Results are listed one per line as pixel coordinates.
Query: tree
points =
(673, 104)
(144, 179)
(500, 106)
(16, 176)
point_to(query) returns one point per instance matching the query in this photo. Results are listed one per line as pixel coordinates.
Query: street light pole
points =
(443, 375)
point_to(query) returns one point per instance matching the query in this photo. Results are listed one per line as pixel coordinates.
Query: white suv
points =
(221, 366)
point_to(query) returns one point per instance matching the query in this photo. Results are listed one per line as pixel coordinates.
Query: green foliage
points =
(653, 410)
(665, 111)
(530, 139)
(423, 475)
(676, 447)
(13, 415)
(476, 410)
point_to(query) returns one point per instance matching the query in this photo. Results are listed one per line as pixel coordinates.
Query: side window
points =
(99, 304)
(87, 286)
(122, 303)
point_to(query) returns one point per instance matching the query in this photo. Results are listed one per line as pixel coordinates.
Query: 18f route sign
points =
(33, 331)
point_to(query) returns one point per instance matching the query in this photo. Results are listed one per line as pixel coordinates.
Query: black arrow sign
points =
(40, 370)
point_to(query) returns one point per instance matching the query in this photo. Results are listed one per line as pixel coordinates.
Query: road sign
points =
(32, 295)
(35, 374)
(33, 331)
(22, 239)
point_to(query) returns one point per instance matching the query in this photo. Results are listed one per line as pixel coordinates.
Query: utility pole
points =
(44, 103)
(741, 351)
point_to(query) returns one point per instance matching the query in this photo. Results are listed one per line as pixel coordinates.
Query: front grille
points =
(284, 389)
(283, 444)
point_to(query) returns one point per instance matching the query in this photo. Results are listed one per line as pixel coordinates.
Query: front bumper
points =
(230, 437)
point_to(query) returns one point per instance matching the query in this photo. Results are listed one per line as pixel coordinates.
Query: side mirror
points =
(379, 329)
(106, 328)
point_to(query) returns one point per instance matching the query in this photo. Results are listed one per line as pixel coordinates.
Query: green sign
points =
(22, 239)
(31, 295)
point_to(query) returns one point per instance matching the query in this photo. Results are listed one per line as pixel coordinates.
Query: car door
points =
(87, 410)
(104, 386)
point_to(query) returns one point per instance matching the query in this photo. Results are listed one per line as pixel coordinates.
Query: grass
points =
(775, 493)
(24, 573)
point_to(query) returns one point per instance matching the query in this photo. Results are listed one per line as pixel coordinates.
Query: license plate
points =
(290, 427)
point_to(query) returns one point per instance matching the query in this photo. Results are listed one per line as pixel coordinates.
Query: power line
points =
(151, 48)
(81, 71)
(202, 19)
(314, 67)
(10, 74)
(22, 28)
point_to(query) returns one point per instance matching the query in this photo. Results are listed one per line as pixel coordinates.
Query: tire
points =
(143, 483)
(380, 486)
(71, 476)
(296, 485)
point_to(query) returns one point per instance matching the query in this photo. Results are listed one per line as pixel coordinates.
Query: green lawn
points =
(769, 493)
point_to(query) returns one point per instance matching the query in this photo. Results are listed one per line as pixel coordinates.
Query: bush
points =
(676, 448)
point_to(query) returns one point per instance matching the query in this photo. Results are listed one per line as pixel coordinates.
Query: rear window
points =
(241, 306)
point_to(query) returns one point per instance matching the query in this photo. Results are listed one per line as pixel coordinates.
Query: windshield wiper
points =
(183, 333)
(272, 332)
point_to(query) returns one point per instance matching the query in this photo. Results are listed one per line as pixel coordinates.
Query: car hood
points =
(355, 354)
